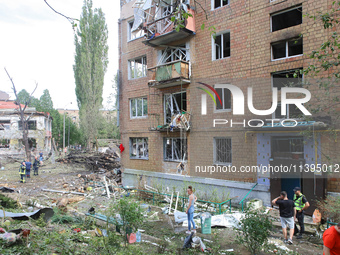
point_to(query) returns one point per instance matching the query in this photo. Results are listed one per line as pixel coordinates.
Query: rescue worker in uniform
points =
(36, 165)
(301, 204)
(22, 172)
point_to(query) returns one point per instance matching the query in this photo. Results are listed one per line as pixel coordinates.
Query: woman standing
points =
(190, 211)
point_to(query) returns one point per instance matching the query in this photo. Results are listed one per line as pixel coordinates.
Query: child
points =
(36, 165)
(22, 172)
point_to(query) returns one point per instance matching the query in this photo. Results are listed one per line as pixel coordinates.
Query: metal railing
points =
(242, 201)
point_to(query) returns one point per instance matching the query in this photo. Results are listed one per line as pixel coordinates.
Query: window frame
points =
(164, 102)
(222, 86)
(143, 142)
(145, 71)
(287, 113)
(283, 11)
(215, 152)
(129, 32)
(216, 8)
(20, 127)
(172, 149)
(213, 45)
(287, 49)
(130, 104)
(285, 71)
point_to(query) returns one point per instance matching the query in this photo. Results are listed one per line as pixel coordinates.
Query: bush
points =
(330, 208)
(254, 231)
(7, 202)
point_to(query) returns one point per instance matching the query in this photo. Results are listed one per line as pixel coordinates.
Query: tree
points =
(89, 69)
(46, 103)
(23, 102)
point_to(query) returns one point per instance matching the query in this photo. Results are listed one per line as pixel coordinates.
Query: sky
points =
(37, 46)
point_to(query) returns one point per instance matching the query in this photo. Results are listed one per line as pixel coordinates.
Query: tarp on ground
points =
(48, 213)
(182, 216)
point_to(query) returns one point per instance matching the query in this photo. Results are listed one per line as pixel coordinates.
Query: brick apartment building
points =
(170, 138)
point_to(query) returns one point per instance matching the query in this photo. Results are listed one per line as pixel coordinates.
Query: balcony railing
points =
(170, 74)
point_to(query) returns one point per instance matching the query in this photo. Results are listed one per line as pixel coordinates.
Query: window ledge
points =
(175, 161)
(136, 118)
(139, 158)
(131, 40)
(221, 58)
(222, 110)
(287, 57)
(131, 79)
(222, 164)
(218, 8)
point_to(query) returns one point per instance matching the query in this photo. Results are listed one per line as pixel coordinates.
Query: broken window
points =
(175, 149)
(219, 3)
(4, 143)
(139, 148)
(286, 49)
(221, 46)
(172, 54)
(292, 112)
(291, 78)
(31, 125)
(222, 150)
(284, 144)
(225, 96)
(137, 68)
(174, 104)
(134, 34)
(138, 107)
(5, 124)
(285, 19)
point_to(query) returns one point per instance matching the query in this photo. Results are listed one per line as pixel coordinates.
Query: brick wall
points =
(250, 65)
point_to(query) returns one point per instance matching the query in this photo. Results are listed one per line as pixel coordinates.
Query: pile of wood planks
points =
(93, 161)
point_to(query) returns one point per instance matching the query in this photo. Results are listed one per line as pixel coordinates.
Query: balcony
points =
(170, 74)
(157, 20)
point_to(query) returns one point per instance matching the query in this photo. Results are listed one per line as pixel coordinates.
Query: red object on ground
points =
(2, 230)
(26, 232)
(121, 147)
(76, 230)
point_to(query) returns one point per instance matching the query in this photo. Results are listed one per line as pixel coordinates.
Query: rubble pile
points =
(95, 161)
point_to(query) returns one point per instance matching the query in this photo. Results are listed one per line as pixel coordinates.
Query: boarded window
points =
(175, 149)
(286, 49)
(139, 148)
(221, 46)
(286, 19)
(138, 107)
(290, 78)
(222, 150)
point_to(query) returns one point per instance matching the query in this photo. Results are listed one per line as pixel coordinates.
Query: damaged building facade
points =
(39, 128)
(170, 67)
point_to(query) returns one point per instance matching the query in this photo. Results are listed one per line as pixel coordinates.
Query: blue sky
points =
(37, 45)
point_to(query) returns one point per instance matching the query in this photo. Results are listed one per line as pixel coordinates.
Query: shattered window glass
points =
(222, 150)
(289, 48)
(220, 3)
(31, 125)
(174, 104)
(175, 149)
(139, 148)
(139, 107)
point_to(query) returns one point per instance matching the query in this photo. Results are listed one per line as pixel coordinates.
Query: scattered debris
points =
(47, 212)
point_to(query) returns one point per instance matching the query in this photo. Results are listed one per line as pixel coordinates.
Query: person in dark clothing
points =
(36, 165)
(28, 169)
(287, 215)
(301, 204)
(22, 172)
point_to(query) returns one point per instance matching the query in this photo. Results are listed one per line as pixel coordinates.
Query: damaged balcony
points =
(173, 68)
(161, 22)
(170, 74)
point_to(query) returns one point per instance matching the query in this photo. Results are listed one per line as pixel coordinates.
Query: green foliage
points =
(90, 66)
(41, 222)
(23, 97)
(46, 103)
(254, 231)
(330, 208)
(7, 202)
(130, 213)
(61, 218)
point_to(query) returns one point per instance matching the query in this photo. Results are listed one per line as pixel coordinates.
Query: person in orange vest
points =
(331, 240)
